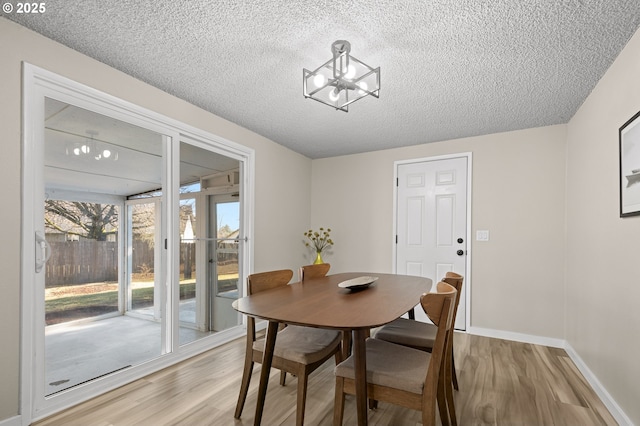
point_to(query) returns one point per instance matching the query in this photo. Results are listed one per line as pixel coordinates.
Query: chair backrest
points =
(455, 280)
(434, 304)
(260, 282)
(314, 271)
(451, 274)
(439, 308)
(267, 280)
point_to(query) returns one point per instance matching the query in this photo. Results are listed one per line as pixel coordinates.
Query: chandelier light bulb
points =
(363, 87)
(85, 149)
(319, 80)
(106, 153)
(350, 72)
(334, 95)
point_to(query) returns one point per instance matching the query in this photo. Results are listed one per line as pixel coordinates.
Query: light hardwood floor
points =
(501, 383)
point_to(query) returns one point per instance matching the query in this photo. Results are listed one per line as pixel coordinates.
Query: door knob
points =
(460, 252)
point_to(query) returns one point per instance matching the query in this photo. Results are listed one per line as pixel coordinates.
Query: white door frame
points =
(467, 278)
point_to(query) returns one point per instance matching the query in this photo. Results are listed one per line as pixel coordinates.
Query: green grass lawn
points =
(75, 307)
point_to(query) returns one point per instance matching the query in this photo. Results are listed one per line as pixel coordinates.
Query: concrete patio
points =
(83, 350)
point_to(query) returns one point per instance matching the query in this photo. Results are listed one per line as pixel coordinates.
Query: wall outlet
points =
(482, 235)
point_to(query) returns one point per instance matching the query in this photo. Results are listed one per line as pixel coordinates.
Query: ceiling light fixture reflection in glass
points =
(92, 148)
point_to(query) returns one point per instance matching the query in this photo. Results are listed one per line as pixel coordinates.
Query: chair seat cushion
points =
(391, 365)
(407, 332)
(305, 345)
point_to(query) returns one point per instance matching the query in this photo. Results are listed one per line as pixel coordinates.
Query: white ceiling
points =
(449, 68)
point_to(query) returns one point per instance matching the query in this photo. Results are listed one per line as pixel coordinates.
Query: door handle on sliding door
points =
(43, 251)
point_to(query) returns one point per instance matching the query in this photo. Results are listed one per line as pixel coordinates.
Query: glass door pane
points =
(206, 176)
(141, 248)
(92, 165)
(82, 273)
(188, 264)
(225, 274)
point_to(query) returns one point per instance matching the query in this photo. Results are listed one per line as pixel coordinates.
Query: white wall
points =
(518, 195)
(283, 177)
(603, 250)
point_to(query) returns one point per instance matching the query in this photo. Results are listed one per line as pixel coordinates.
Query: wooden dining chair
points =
(314, 271)
(420, 335)
(320, 270)
(308, 272)
(298, 350)
(405, 376)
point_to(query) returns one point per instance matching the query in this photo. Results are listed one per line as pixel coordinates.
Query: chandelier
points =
(341, 80)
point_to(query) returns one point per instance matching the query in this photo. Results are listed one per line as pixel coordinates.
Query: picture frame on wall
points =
(630, 167)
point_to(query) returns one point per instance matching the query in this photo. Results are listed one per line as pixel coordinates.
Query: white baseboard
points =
(12, 421)
(605, 397)
(517, 337)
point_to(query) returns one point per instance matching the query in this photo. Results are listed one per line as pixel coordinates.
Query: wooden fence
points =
(91, 261)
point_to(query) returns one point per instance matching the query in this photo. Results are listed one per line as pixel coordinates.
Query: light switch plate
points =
(482, 235)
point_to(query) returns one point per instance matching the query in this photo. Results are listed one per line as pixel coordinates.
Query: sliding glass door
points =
(208, 243)
(92, 164)
(104, 225)
(136, 261)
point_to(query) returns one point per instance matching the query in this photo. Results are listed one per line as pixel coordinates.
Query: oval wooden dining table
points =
(320, 302)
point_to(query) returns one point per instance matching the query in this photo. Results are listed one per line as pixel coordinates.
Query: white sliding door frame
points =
(38, 84)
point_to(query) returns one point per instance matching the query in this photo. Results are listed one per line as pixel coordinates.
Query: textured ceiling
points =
(449, 68)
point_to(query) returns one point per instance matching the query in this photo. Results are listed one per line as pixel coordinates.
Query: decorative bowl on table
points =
(358, 283)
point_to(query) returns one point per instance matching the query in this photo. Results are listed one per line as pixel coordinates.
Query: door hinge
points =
(165, 243)
(396, 239)
(397, 181)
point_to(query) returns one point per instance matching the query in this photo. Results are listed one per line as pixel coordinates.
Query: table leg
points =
(360, 354)
(267, 357)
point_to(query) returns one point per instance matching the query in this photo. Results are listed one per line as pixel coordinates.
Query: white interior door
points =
(431, 222)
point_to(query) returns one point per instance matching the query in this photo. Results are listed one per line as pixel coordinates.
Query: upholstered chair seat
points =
(304, 345)
(391, 365)
(408, 333)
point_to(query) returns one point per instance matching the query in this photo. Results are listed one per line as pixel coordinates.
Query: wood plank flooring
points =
(501, 383)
